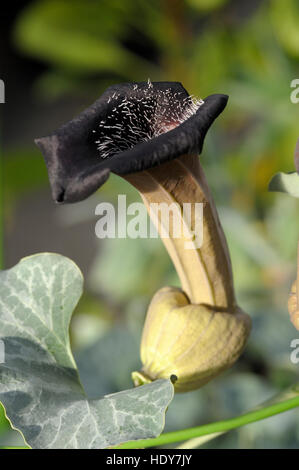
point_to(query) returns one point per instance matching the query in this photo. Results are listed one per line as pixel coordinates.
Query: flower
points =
(192, 342)
(151, 134)
(197, 332)
(130, 128)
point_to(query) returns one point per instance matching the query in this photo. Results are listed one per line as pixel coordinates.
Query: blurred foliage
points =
(250, 51)
(285, 183)
(18, 180)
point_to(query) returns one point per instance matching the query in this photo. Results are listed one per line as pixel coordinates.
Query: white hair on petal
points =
(142, 116)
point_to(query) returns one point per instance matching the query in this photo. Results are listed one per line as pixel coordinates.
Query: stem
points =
(198, 441)
(205, 273)
(218, 427)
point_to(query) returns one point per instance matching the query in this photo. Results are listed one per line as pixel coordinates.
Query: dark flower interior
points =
(130, 128)
(145, 113)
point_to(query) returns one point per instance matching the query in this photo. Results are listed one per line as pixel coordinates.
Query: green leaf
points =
(285, 183)
(39, 383)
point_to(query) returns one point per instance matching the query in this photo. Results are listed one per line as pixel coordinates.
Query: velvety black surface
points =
(75, 166)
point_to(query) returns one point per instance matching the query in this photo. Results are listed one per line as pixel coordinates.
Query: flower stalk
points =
(205, 273)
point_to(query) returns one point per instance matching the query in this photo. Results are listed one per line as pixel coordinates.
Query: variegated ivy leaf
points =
(39, 383)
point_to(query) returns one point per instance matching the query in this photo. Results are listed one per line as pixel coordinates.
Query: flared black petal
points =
(75, 166)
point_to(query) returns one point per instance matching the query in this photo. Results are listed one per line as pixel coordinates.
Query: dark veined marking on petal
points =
(140, 116)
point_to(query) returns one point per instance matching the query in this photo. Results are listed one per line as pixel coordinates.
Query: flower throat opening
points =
(145, 113)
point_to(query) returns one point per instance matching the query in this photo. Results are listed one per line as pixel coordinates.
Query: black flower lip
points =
(74, 163)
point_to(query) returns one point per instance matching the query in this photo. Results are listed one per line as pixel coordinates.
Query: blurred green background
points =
(57, 57)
